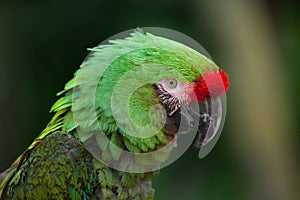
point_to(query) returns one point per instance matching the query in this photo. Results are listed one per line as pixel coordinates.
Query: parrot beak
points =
(212, 117)
(206, 118)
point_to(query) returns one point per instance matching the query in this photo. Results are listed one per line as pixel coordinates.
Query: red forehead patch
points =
(213, 83)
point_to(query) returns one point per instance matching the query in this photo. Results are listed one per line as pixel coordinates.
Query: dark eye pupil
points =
(171, 82)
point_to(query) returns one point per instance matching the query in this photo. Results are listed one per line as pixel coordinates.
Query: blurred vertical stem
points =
(260, 119)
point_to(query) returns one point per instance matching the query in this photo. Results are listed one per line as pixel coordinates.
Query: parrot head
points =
(140, 92)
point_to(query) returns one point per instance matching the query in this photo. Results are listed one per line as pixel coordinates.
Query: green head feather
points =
(113, 92)
(135, 62)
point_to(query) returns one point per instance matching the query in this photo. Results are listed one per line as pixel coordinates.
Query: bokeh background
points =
(257, 42)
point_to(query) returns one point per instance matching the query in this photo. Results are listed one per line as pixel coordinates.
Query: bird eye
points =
(171, 83)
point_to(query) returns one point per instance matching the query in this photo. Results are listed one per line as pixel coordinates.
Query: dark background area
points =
(42, 43)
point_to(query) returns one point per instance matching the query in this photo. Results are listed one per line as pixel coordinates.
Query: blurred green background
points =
(42, 43)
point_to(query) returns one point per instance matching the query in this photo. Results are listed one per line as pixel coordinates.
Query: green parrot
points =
(118, 120)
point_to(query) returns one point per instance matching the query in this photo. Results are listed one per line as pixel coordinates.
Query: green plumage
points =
(57, 164)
